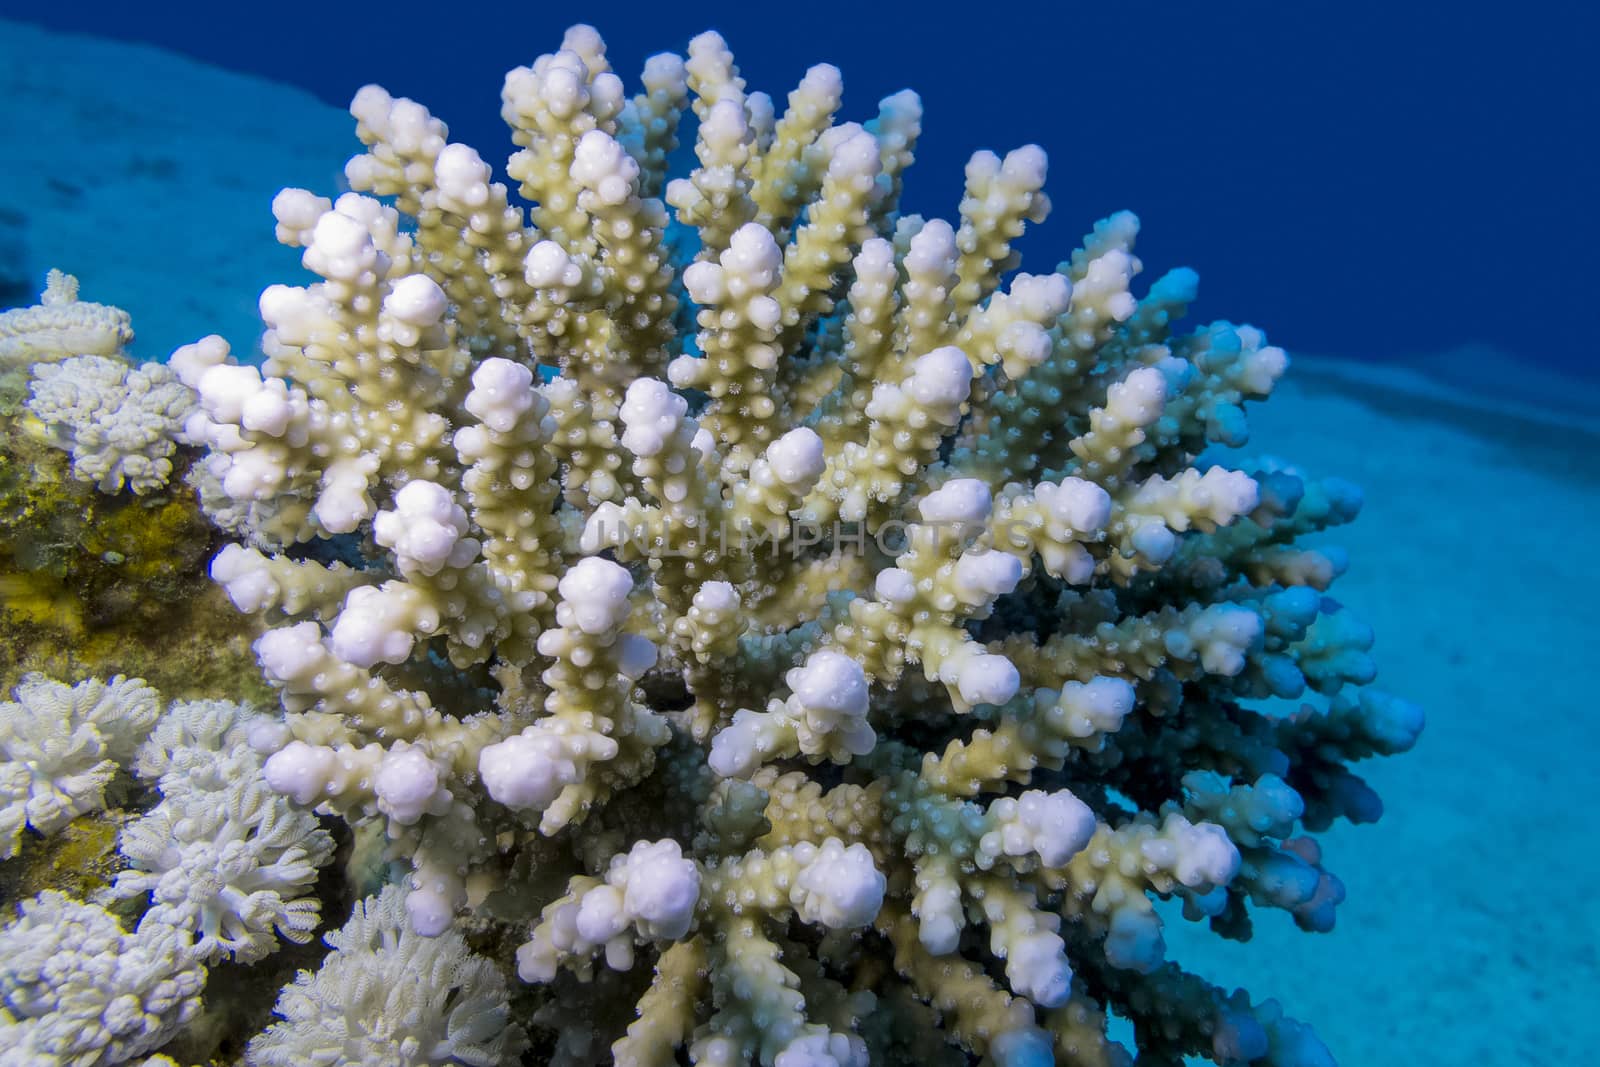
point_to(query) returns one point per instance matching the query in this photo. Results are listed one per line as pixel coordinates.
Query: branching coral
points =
(225, 865)
(887, 613)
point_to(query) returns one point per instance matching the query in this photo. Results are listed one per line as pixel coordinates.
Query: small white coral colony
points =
(60, 747)
(762, 584)
(222, 856)
(76, 989)
(225, 865)
(61, 325)
(388, 997)
(121, 423)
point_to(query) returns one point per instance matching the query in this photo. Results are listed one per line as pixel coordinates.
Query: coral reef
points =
(79, 990)
(776, 627)
(122, 424)
(103, 547)
(60, 326)
(217, 870)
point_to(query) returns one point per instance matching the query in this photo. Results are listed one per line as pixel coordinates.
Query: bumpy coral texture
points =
(122, 424)
(225, 864)
(759, 585)
(77, 990)
(61, 326)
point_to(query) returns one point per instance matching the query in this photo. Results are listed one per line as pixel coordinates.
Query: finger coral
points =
(735, 577)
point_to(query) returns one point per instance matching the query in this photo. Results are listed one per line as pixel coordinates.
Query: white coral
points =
(60, 326)
(824, 717)
(987, 728)
(1053, 827)
(122, 424)
(650, 893)
(838, 887)
(222, 855)
(79, 991)
(61, 745)
(194, 731)
(388, 997)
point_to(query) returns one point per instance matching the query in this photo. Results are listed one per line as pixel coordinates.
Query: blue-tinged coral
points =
(388, 997)
(731, 576)
(77, 990)
(222, 855)
(60, 747)
(889, 612)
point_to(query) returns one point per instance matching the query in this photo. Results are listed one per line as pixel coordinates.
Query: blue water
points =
(1375, 181)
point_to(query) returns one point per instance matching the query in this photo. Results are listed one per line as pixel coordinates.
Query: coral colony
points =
(721, 616)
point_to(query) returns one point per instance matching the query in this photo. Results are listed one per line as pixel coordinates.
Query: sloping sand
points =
(1468, 937)
(151, 177)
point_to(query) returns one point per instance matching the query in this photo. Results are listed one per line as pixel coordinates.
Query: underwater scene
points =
(713, 534)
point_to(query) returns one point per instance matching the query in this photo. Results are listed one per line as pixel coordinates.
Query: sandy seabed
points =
(1469, 936)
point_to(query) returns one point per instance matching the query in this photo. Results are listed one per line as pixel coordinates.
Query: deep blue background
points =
(1370, 180)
